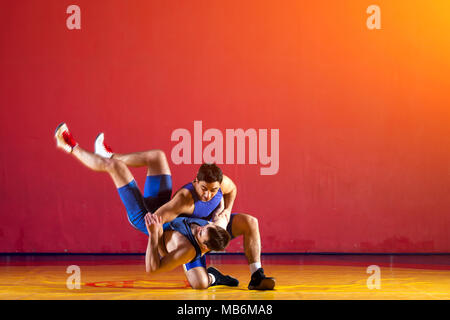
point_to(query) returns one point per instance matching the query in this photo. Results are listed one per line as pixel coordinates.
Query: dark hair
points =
(209, 173)
(218, 238)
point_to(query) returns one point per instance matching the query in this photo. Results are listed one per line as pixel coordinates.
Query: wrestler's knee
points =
(155, 156)
(161, 155)
(113, 165)
(244, 224)
(251, 222)
(198, 278)
(199, 283)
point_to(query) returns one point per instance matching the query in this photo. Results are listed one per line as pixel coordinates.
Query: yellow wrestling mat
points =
(304, 278)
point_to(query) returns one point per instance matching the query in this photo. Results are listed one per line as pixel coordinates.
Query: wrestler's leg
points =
(118, 171)
(155, 160)
(123, 180)
(196, 274)
(198, 278)
(201, 278)
(247, 226)
(158, 184)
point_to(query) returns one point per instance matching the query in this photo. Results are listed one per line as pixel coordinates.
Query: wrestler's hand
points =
(148, 222)
(222, 218)
(151, 223)
(154, 226)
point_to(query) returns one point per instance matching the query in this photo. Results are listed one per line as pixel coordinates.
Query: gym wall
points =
(346, 108)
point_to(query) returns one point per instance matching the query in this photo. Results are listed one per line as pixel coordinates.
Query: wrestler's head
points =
(208, 180)
(212, 237)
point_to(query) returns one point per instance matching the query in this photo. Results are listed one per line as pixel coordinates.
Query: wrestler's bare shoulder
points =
(183, 196)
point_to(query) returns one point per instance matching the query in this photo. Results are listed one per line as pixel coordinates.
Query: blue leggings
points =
(157, 192)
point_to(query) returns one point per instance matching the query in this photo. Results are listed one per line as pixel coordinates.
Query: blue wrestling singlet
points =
(202, 209)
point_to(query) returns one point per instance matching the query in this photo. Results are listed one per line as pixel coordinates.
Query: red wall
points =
(363, 117)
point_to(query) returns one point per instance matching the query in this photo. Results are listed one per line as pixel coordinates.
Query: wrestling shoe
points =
(259, 281)
(101, 148)
(64, 139)
(221, 279)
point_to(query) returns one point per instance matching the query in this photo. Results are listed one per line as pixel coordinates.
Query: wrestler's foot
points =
(64, 139)
(221, 279)
(259, 281)
(101, 148)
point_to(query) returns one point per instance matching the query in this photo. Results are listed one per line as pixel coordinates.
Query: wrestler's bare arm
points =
(219, 217)
(184, 253)
(229, 192)
(154, 228)
(181, 203)
(182, 250)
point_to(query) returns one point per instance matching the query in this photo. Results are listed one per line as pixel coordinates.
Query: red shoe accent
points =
(69, 139)
(107, 148)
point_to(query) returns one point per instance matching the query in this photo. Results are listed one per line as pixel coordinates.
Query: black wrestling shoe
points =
(221, 279)
(259, 281)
